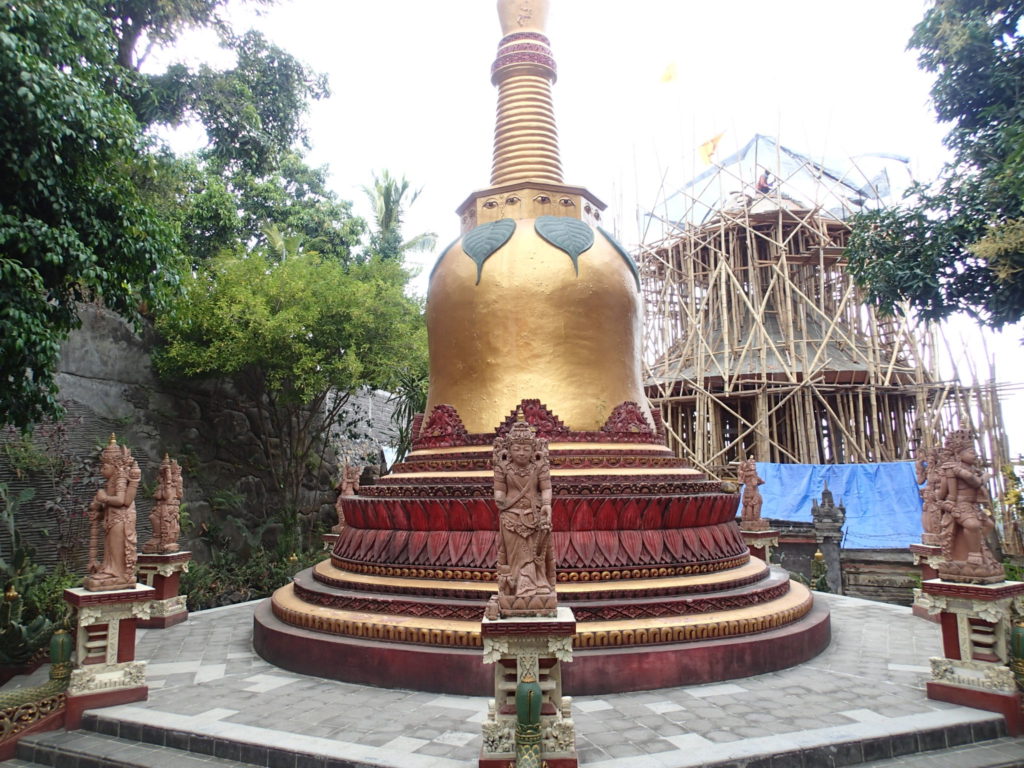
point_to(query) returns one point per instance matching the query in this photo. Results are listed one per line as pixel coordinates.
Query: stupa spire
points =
(525, 134)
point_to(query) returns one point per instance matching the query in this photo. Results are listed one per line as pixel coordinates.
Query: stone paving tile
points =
(869, 683)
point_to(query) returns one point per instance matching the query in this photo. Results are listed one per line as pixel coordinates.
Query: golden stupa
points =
(534, 314)
(553, 311)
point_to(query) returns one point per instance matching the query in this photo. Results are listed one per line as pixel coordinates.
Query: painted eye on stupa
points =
(587, 209)
(511, 200)
(491, 204)
(542, 199)
(566, 201)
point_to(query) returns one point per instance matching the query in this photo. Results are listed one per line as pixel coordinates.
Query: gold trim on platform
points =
(581, 448)
(332, 573)
(599, 575)
(599, 634)
(615, 471)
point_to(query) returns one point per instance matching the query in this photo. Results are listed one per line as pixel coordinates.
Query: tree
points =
(219, 212)
(958, 244)
(91, 209)
(76, 223)
(297, 333)
(388, 200)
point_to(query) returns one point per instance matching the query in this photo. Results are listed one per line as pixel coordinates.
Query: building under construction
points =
(759, 343)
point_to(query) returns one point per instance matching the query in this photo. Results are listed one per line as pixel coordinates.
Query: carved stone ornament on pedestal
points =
(522, 492)
(348, 485)
(113, 507)
(929, 473)
(976, 622)
(962, 497)
(750, 518)
(166, 510)
(529, 721)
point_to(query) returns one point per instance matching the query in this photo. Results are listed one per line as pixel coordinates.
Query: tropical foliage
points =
(92, 209)
(298, 333)
(958, 244)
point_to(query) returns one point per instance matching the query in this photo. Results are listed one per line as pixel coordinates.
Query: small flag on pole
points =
(707, 149)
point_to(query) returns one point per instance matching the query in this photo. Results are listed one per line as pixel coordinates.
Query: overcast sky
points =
(411, 92)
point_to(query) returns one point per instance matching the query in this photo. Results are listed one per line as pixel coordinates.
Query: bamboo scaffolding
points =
(757, 341)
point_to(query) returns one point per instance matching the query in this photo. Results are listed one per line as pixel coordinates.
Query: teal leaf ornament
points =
(481, 243)
(622, 252)
(569, 235)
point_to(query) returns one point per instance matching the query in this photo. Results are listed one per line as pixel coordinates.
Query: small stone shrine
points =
(110, 602)
(829, 518)
(975, 605)
(525, 634)
(757, 534)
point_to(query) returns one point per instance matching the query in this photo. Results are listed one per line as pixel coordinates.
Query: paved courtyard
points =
(864, 693)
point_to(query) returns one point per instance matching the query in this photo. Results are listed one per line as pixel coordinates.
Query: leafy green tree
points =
(220, 212)
(958, 244)
(91, 210)
(390, 197)
(76, 222)
(297, 333)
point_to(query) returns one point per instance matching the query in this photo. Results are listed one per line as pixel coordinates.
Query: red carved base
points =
(78, 704)
(161, 622)
(592, 672)
(1006, 704)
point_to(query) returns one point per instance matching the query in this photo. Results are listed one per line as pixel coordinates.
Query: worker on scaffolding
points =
(764, 183)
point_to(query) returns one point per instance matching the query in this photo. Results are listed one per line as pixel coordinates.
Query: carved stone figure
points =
(522, 491)
(929, 471)
(963, 499)
(114, 507)
(750, 518)
(167, 509)
(348, 485)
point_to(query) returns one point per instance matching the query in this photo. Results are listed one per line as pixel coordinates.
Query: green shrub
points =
(229, 578)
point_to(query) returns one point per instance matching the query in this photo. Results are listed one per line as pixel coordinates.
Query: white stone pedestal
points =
(105, 671)
(531, 647)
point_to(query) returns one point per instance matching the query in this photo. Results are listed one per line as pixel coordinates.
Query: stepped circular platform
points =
(648, 553)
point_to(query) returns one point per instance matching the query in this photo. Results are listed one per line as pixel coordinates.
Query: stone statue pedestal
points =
(976, 621)
(163, 573)
(533, 647)
(105, 671)
(760, 542)
(929, 557)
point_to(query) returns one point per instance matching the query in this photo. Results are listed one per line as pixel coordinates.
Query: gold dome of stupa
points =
(534, 300)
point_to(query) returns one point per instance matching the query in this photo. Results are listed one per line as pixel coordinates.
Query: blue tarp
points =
(883, 508)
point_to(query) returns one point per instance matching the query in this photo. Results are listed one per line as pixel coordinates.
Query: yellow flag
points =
(707, 149)
(669, 74)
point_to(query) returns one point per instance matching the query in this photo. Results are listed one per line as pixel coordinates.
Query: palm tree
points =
(386, 198)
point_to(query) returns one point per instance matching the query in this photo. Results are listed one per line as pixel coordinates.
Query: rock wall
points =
(107, 381)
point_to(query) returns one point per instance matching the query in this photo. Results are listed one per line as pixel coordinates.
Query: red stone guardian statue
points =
(165, 517)
(114, 508)
(522, 492)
